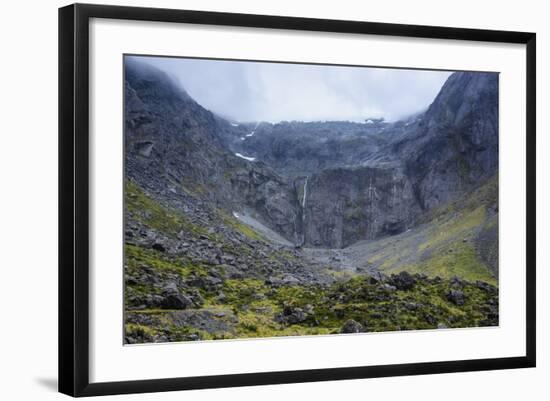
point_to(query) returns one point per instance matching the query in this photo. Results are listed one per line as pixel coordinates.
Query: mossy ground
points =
(240, 227)
(147, 211)
(445, 244)
(256, 306)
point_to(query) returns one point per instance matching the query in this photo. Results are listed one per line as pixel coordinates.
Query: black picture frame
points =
(74, 198)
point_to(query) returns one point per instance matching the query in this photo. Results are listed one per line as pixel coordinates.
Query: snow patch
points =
(369, 122)
(234, 124)
(250, 159)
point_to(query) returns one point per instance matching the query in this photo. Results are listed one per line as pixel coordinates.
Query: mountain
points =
(387, 174)
(456, 145)
(325, 184)
(222, 215)
(175, 146)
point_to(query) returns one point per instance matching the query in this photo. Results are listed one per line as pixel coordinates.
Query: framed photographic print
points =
(249, 199)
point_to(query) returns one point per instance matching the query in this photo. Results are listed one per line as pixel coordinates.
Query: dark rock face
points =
(345, 205)
(304, 148)
(414, 165)
(456, 145)
(273, 198)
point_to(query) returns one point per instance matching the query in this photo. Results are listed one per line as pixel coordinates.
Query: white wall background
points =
(28, 201)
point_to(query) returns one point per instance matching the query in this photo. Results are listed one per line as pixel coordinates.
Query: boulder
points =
(351, 326)
(157, 246)
(402, 281)
(292, 315)
(173, 299)
(176, 301)
(456, 297)
(388, 287)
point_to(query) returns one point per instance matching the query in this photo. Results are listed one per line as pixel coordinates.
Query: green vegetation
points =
(449, 250)
(144, 333)
(459, 226)
(459, 260)
(252, 307)
(446, 244)
(485, 195)
(144, 209)
(240, 227)
(137, 258)
(256, 309)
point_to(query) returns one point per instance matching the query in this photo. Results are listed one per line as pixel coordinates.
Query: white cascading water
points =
(304, 211)
(305, 194)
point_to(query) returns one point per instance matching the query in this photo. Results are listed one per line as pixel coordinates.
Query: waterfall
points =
(372, 196)
(254, 130)
(305, 194)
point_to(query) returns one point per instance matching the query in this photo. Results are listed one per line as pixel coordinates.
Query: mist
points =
(259, 91)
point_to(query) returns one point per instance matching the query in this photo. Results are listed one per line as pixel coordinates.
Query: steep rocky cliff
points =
(456, 146)
(176, 149)
(345, 205)
(321, 184)
(424, 161)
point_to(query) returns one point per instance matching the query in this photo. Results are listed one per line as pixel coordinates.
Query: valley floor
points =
(188, 280)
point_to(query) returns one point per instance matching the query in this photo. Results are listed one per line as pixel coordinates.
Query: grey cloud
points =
(251, 91)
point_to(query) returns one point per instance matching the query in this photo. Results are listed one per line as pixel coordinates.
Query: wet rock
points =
(290, 280)
(208, 283)
(292, 315)
(287, 279)
(176, 301)
(456, 297)
(388, 287)
(221, 298)
(351, 326)
(157, 246)
(430, 319)
(485, 287)
(412, 306)
(211, 321)
(457, 283)
(173, 299)
(402, 281)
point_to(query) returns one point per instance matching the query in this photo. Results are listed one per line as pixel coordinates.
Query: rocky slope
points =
(174, 146)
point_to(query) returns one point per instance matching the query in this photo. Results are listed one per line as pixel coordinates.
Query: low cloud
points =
(252, 91)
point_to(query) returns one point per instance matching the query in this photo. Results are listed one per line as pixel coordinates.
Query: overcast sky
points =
(253, 91)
